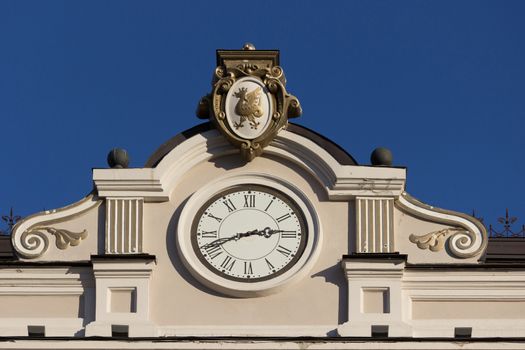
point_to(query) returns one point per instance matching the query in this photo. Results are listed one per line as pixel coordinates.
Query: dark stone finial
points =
(118, 158)
(381, 156)
(203, 108)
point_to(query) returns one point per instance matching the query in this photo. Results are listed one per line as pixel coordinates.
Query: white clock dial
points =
(249, 233)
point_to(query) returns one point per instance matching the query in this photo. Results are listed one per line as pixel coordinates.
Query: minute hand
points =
(268, 232)
(217, 242)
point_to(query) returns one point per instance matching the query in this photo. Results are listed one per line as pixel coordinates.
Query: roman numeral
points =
(229, 204)
(214, 217)
(213, 251)
(289, 234)
(268, 205)
(209, 234)
(248, 268)
(249, 200)
(228, 263)
(283, 217)
(270, 266)
(284, 251)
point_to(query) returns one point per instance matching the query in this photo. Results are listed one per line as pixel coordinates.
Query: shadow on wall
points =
(352, 247)
(101, 228)
(227, 162)
(86, 304)
(334, 275)
(174, 255)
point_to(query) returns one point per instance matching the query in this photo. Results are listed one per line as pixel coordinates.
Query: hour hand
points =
(235, 237)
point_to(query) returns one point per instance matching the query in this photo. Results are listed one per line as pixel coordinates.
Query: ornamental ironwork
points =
(11, 221)
(507, 231)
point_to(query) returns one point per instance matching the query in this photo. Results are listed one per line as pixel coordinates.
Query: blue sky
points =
(440, 83)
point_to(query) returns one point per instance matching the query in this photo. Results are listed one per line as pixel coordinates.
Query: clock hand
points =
(266, 232)
(237, 236)
(217, 242)
(248, 233)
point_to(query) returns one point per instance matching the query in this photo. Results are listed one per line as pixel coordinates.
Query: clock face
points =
(249, 233)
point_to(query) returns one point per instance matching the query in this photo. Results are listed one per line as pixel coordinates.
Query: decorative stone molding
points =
(269, 343)
(341, 182)
(440, 299)
(375, 225)
(30, 235)
(122, 273)
(369, 274)
(41, 289)
(435, 241)
(243, 330)
(141, 183)
(465, 239)
(34, 238)
(124, 223)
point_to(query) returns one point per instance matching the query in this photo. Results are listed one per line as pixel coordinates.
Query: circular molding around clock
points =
(243, 248)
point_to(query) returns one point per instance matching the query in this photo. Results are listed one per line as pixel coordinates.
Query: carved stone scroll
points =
(31, 236)
(466, 237)
(435, 241)
(36, 242)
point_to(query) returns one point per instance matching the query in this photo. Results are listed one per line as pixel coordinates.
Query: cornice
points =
(142, 183)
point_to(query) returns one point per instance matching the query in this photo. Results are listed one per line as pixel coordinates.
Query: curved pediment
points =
(335, 169)
(332, 148)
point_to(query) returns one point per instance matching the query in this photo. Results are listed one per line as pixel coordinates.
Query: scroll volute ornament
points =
(249, 103)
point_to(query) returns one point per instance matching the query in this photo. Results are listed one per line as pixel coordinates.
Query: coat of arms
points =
(249, 103)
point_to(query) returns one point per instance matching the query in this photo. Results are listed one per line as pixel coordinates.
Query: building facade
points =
(250, 232)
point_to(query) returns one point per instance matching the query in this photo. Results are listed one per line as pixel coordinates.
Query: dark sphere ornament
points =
(381, 156)
(203, 108)
(118, 158)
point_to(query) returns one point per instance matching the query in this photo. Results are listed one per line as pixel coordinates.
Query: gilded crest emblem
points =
(249, 103)
(249, 107)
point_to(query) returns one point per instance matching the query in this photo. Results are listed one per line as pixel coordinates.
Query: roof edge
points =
(336, 151)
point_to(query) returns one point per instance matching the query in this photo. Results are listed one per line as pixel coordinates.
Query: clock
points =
(248, 236)
(249, 233)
